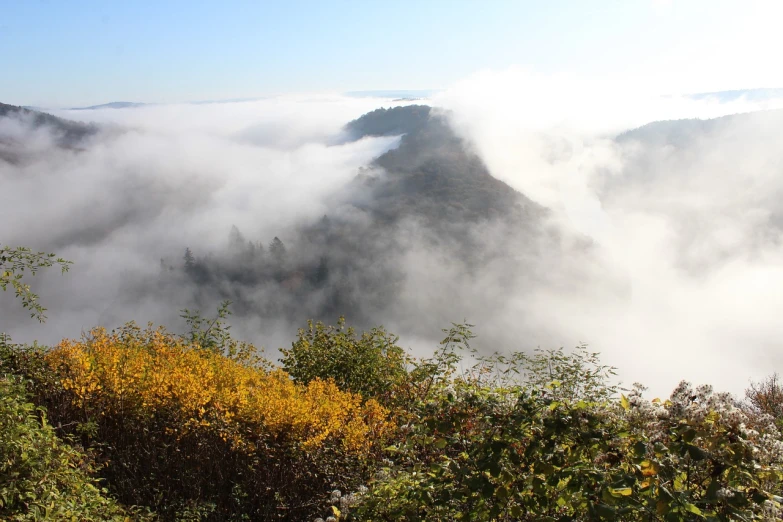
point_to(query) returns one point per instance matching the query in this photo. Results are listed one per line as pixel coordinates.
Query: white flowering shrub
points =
(545, 447)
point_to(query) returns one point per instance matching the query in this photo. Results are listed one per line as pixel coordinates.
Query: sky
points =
(78, 52)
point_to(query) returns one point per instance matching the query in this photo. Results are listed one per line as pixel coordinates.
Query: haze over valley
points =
(633, 234)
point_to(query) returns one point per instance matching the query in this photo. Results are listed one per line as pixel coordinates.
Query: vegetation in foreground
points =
(138, 424)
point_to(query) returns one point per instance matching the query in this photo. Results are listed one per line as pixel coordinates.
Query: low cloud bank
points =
(662, 249)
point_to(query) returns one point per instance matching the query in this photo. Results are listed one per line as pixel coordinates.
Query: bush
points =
(372, 365)
(485, 446)
(199, 428)
(187, 430)
(41, 477)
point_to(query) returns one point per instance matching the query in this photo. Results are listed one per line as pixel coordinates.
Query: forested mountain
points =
(421, 215)
(430, 190)
(389, 122)
(433, 194)
(17, 124)
(683, 133)
(433, 174)
(68, 132)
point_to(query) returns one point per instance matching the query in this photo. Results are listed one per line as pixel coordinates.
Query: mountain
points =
(682, 133)
(70, 131)
(432, 174)
(430, 193)
(15, 142)
(389, 122)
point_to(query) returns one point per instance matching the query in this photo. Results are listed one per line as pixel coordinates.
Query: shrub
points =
(41, 477)
(184, 429)
(372, 365)
(486, 447)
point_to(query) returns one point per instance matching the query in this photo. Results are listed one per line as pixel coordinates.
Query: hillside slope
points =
(430, 194)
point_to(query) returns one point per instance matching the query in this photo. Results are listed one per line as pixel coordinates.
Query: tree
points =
(322, 272)
(15, 262)
(277, 250)
(190, 261)
(766, 396)
(236, 241)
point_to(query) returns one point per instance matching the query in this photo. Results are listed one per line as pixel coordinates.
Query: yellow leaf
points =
(623, 492)
(648, 468)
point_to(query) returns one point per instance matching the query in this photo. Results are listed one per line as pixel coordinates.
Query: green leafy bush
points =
(518, 438)
(372, 365)
(41, 477)
(196, 434)
(528, 437)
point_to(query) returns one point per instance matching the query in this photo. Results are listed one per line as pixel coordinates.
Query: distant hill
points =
(681, 133)
(67, 134)
(71, 131)
(395, 94)
(112, 105)
(747, 94)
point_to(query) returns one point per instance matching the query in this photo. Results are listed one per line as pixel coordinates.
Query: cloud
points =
(160, 179)
(663, 256)
(692, 227)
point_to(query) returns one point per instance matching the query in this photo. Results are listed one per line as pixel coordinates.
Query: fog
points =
(693, 228)
(682, 278)
(164, 178)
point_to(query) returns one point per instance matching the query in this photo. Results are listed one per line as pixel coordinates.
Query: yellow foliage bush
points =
(141, 373)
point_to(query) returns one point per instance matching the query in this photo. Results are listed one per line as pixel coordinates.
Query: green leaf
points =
(695, 452)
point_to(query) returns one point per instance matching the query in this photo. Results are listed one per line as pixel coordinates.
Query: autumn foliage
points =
(192, 432)
(138, 374)
(200, 427)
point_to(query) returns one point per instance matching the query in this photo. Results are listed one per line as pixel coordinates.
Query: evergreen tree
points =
(236, 241)
(277, 250)
(190, 261)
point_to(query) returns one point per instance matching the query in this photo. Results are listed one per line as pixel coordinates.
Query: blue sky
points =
(62, 53)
